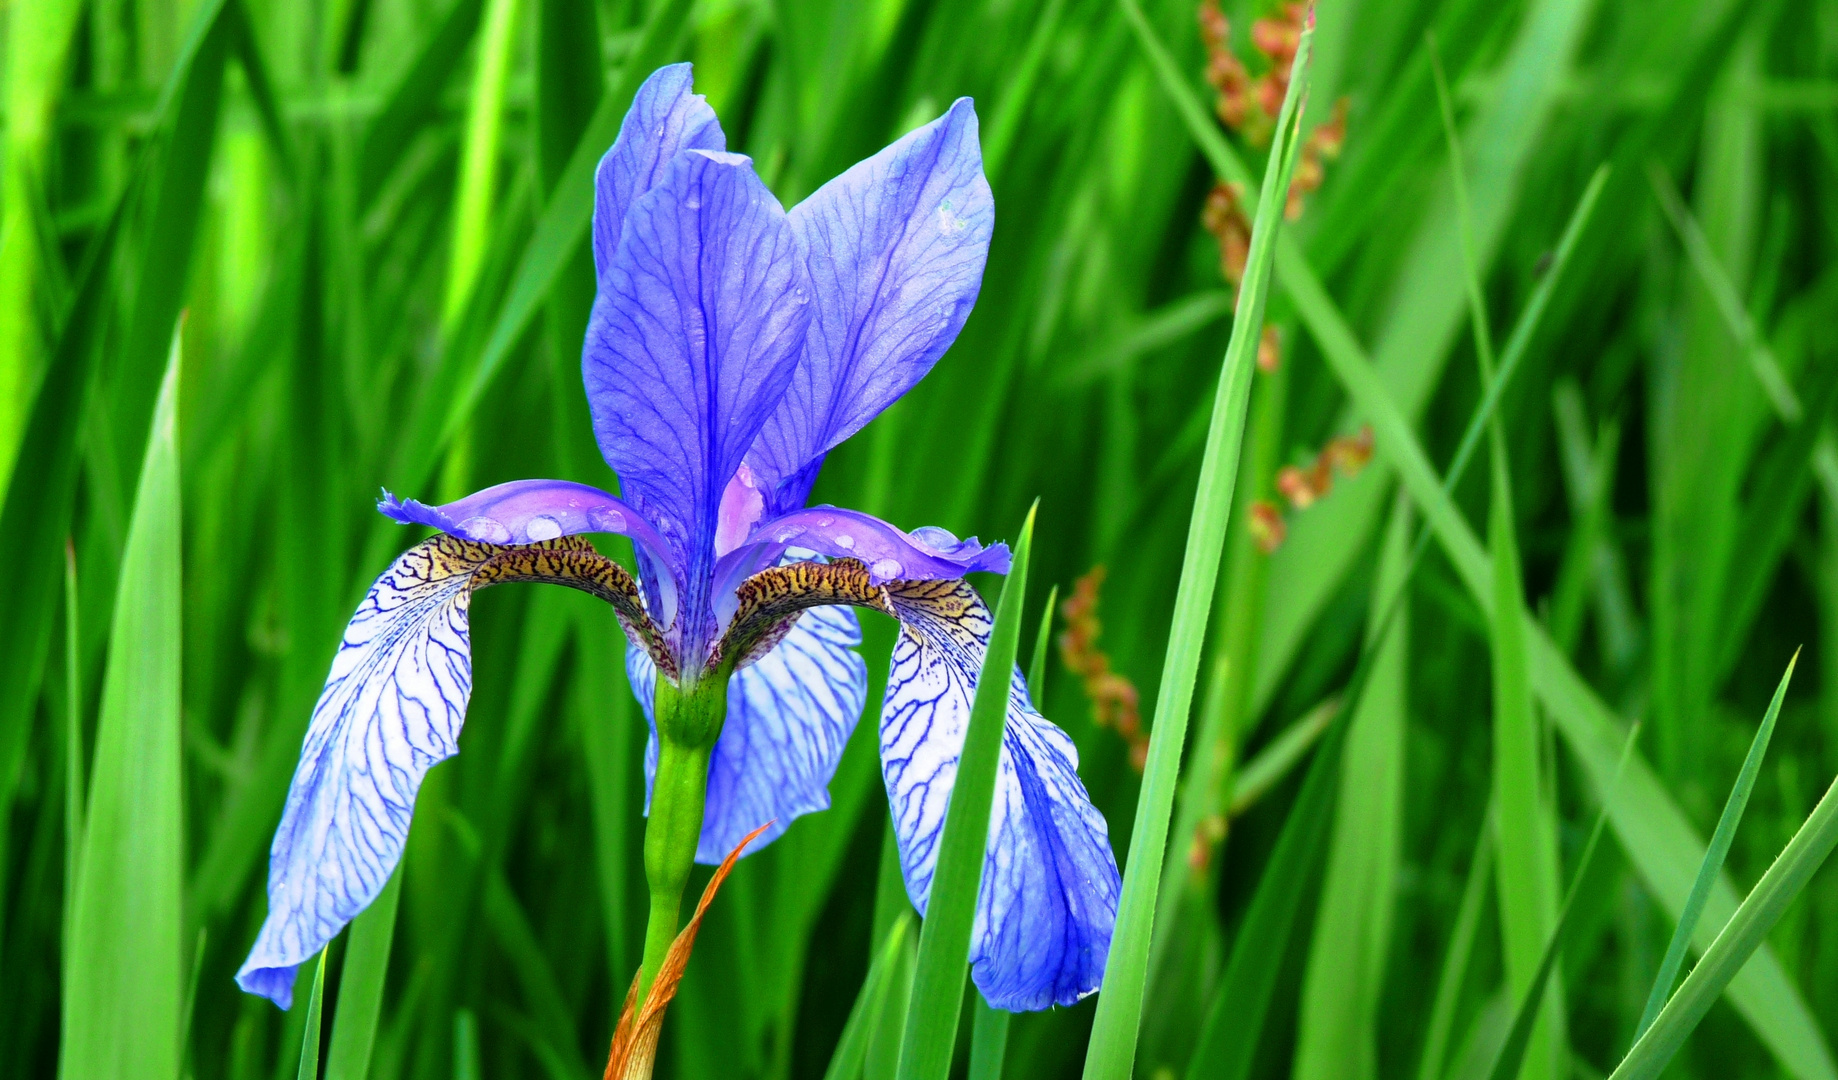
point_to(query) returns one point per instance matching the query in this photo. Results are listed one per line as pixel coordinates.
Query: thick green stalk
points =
(688, 723)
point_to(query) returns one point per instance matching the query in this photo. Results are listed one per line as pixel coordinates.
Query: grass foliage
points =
(1373, 708)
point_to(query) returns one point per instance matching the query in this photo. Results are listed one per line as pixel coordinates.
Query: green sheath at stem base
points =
(688, 723)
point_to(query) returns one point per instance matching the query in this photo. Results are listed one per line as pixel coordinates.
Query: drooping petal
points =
(1048, 899)
(699, 321)
(391, 708)
(665, 118)
(789, 716)
(889, 553)
(531, 511)
(896, 247)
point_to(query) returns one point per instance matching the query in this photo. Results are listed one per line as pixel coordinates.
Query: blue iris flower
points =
(732, 344)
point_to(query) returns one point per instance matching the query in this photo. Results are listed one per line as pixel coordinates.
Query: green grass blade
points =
(887, 1026)
(195, 92)
(1345, 973)
(34, 521)
(360, 990)
(565, 219)
(1527, 868)
(1112, 1050)
(415, 98)
(74, 758)
(988, 1040)
(1712, 866)
(1653, 831)
(38, 40)
(851, 1052)
(1011, 109)
(479, 153)
(1264, 771)
(1037, 665)
(309, 1040)
(1461, 949)
(989, 1028)
(1722, 291)
(603, 708)
(944, 940)
(125, 994)
(1513, 1052)
(1736, 944)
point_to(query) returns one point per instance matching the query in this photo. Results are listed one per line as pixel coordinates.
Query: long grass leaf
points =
(944, 940)
(1461, 948)
(1513, 1052)
(360, 989)
(415, 97)
(851, 1051)
(1652, 829)
(564, 220)
(1737, 943)
(1712, 866)
(1341, 985)
(309, 1040)
(1114, 1030)
(1527, 868)
(126, 988)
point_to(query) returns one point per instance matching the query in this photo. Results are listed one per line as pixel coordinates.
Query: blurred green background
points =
(372, 213)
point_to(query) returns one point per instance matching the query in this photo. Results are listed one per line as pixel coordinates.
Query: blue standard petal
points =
(896, 247)
(391, 708)
(789, 717)
(1048, 898)
(665, 119)
(698, 323)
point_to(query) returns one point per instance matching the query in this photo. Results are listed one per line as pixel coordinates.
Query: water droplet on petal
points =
(846, 542)
(606, 519)
(824, 522)
(886, 569)
(788, 534)
(542, 528)
(484, 530)
(693, 200)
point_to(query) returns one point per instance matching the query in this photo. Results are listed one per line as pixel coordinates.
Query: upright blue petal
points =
(896, 247)
(699, 322)
(665, 118)
(789, 717)
(391, 708)
(1048, 899)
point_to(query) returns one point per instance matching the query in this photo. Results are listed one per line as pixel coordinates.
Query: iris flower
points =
(731, 346)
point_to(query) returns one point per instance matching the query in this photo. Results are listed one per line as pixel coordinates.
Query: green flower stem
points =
(688, 723)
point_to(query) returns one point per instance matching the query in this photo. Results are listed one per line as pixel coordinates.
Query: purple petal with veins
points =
(890, 553)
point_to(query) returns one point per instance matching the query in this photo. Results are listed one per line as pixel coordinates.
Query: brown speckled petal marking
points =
(771, 600)
(572, 561)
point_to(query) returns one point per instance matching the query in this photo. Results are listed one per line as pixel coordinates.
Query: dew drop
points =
(887, 569)
(606, 519)
(693, 200)
(846, 542)
(788, 534)
(824, 522)
(484, 530)
(542, 528)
